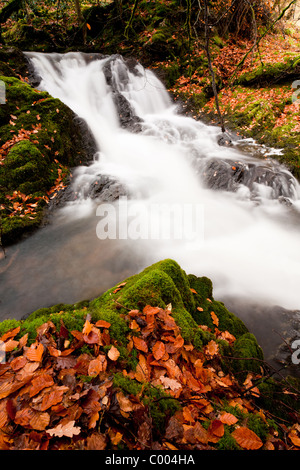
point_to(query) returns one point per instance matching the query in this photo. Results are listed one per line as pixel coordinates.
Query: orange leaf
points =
(40, 382)
(211, 349)
(215, 430)
(87, 328)
(51, 399)
(193, 291)
(10, 334)
(140, 344)
(214, 318)
(113, 353)
(150, 310)
(294, 438)
(228, 418)
(246, 438)
(97, 365)
(158, 350)
(103, 324)
(35, 352)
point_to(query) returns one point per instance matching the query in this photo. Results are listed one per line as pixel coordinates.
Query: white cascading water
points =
(249, 248)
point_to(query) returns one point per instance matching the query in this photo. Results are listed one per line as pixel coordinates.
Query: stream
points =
(235, 214)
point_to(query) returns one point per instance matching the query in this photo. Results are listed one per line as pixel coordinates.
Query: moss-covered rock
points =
(25, 169)
(164, 284)
(41, 140)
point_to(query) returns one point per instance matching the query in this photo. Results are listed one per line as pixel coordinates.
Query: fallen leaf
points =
(40, 382)
(52, 398)
(35, 352)
(103, 324)
(211, 349)
(158, 350)
(214, 318)
(113, 353)
(246, 438)
(68, 430)
(140, 344)
(228, 418)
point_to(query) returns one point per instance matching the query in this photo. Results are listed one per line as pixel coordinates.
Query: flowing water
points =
(246, 238)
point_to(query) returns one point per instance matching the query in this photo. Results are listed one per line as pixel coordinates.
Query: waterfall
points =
(247, 238)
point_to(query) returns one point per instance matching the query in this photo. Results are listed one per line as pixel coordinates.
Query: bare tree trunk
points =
(80, 19)
(211, 70)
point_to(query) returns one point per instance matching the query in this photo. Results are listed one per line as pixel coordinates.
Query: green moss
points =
(44, 138)
(271, 73)
(162, 406)
(249, 355)
(274, 399)
(161, 284)
(25, 169)
(227, 442)
(258, 425)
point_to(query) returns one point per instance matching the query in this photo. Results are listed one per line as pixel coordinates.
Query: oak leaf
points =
(68, 430)
(211, 349)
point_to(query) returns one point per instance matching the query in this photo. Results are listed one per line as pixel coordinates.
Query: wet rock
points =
(224, 140)
(107, 189)
(128, 119)
(228, 175)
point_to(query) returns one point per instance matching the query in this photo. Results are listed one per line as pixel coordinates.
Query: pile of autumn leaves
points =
(59, 393)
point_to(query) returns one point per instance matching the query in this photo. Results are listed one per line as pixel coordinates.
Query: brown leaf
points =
(39, 421)
(103, 324)
(211, 349)
(97, 365)
(294, 437)
(35, 352)
(142, 372)
(113, 353)
(246, 438)
(40, 382)
(10, 334)
(68, 430)
(228, 418)
(124, 402)
(52, 398)
(140, 344)
(148, 310)
(93, 337)
(214, 318)
(96, 441)
(174, 429)
(158, 350)
(215, 430)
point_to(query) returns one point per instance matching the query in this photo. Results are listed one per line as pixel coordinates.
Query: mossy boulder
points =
(25, 168)
(163, 284)
(41, 140)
